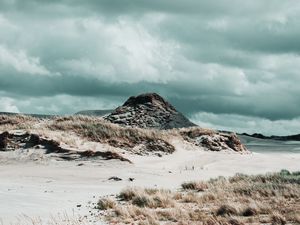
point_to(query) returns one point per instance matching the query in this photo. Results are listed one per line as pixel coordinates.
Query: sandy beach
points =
(51, 188)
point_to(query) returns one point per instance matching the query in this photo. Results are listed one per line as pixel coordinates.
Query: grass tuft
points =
(105, 204)
(195, 186)
(242, 199)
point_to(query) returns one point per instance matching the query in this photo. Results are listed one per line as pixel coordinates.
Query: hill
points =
(148, 110)
(295, 137)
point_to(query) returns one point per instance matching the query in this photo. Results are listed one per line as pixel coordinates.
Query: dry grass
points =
(65, 130)
(106, 203)
(151, 198)
(241, 199)
(14, 122)
(99, 130)
(194, 132)
(96, 129)
(196, 186)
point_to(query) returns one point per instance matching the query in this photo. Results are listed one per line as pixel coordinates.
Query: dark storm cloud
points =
(215, 57)
(134, 6)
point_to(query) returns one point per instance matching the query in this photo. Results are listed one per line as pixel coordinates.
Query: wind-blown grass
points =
(242, 199)
(11, 122)
(97, 129)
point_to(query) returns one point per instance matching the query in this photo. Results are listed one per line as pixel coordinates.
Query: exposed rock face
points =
(221, 141)
(214, 141)
(148, 111)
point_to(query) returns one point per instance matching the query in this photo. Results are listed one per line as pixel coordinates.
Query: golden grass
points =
(100, 130)
(14, 122)
(241, 199)
(136, 140)
(193, 132)
(197, 186)
(106, 203)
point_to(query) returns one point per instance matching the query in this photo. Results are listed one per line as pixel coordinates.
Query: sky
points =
(226, 64)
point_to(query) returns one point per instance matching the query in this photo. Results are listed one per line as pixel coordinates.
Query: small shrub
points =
(227, 210)
(250, 211)
(190, 197)
(206, 197)
(233, 221)
(165, 215)
(127, 194)
(278, 219)
(106, 203)
(151, 191)
(141, 201)
(238, 178)
(196, 186)
(284, 173)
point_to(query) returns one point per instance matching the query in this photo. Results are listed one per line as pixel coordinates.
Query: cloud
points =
(20, 62)
(241, 124)
(63, 103)
(8, 105)
(215, 57)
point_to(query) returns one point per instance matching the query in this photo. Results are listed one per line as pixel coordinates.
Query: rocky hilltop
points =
(148, 110)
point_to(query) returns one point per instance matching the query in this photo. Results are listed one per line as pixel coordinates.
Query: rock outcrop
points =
(221, 141)
(148, 111)
(213, 140)
(3, 140)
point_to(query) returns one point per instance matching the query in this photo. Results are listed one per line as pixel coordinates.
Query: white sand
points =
(41, 190)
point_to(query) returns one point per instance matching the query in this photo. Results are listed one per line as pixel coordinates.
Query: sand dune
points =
(42, 189)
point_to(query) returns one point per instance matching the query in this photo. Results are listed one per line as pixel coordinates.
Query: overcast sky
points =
(231, 65)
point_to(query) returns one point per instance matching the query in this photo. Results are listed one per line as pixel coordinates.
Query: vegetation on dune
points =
(97, 129)
(242, 199)
(136, 140)
(194, 132)
(10, 122)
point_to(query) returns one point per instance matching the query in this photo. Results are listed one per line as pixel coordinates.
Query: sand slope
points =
(42, 189)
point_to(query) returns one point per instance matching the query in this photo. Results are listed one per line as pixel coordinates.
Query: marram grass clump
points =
(272, 198)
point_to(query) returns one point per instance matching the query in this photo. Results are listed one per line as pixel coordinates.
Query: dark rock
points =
(131, 179)
(3, 140)
(34, 140)
(51, 146)
(148, 111)
(250, 211)
(115, 178)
